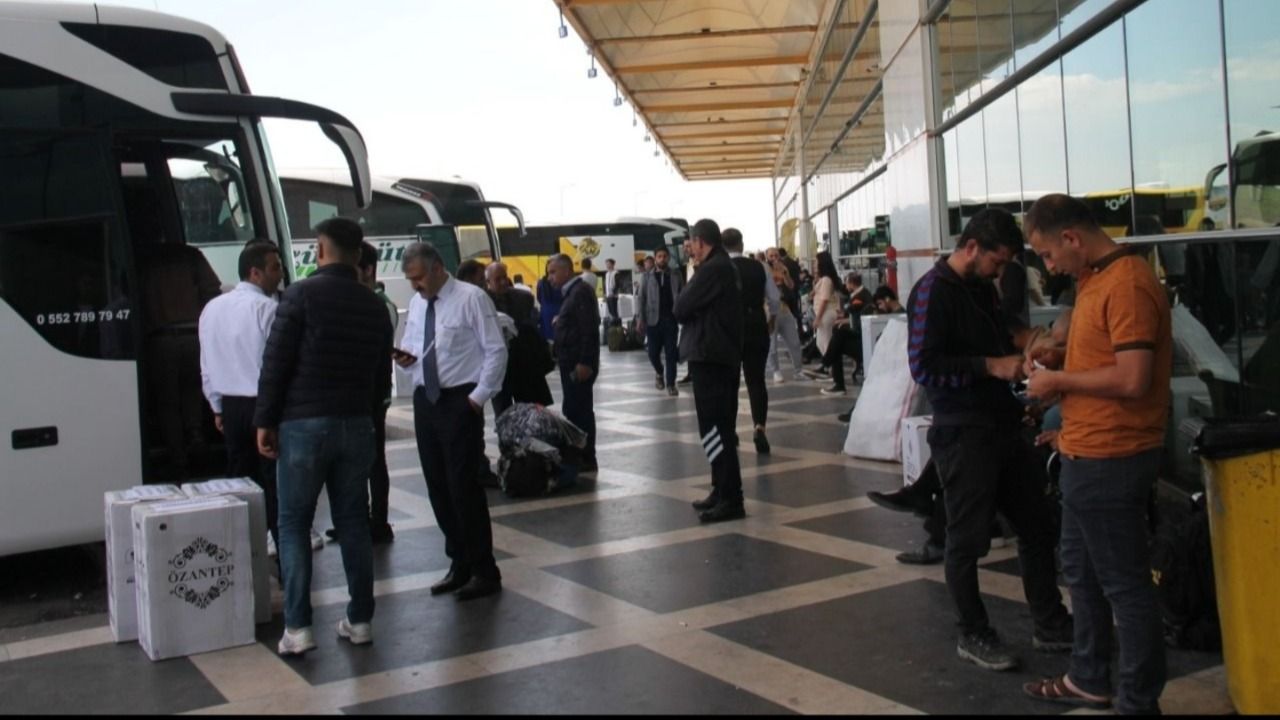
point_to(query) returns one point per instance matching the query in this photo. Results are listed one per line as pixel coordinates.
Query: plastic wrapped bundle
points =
(534, 441)
(526, 421)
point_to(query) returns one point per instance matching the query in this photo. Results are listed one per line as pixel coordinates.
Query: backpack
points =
(1182, 569)
(615, 338)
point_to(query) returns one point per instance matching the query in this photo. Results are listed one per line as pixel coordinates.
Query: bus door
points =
(69, 320)
(189, 215)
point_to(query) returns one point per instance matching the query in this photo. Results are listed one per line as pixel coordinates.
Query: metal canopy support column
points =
(802, 244)
(777, 236)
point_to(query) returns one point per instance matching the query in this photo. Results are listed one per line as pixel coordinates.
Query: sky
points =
(481, 89)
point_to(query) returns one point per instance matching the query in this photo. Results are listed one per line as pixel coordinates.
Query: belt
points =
(465, 389)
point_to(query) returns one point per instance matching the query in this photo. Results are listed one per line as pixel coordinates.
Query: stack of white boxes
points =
(122, 596)
(248, 491)
(915, 447)
(194, 576)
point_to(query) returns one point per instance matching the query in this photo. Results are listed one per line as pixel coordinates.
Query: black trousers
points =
(612, 304)
(982, 470)
(715, 397)
(754, 355)
(243, 460)
(579, 407)
(844, 341)
(379, 478)
(448, 433)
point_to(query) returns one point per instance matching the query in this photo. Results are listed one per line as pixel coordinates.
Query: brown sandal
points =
(1056, 690)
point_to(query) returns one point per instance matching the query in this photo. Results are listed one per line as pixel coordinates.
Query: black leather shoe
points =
(762, 442)
(901, 501)
(478, 587)
(706, 503)
(723, 511)
(449, 583)
(381, 534)
(686, 380)
(589, 466)
(927, 555)
(658, 383)
(844, 416)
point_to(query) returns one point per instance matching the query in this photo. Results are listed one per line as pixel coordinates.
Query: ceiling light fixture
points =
(591, 71)
(617, 97)
(564, 30)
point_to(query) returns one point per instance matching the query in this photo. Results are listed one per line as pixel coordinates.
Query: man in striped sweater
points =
(965, 352)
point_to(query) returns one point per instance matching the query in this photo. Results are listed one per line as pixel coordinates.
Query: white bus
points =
(392, 220)
(127, 138)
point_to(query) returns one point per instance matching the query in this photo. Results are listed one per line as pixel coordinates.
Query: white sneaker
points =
(271, 546)
(358, 634)
(317, 540)
(296, 642)
(778, 378)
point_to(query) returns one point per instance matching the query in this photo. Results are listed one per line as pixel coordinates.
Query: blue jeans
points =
(1106, 560)
(334, 453)
(661, 340)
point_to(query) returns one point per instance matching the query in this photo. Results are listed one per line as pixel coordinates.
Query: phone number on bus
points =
(81, 316)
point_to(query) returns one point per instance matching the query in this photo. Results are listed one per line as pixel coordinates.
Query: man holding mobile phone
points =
(454, 347)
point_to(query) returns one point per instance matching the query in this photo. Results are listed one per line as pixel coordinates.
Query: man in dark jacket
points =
(655, 301)
(963, 352)
(578, 351)
(759, 295)
(710, 308)
(528, 360)
(323, 378)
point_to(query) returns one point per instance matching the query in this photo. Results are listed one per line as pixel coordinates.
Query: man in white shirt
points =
(233, 333)
(611, 291)
(455, 350)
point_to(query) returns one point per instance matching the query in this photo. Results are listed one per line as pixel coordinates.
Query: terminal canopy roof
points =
(716, 81)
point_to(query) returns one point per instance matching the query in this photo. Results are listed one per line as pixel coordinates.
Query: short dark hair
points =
(609, 261)
(854, 277)
(586, 263)
(782, 252)
(368, 255)
(660, 250)
(1057, 212)
(254, 255)
(345, 234)
(708, 232)
(732, 239)
(469, 269)
(517, 278)
(884, 292)
(992, 228)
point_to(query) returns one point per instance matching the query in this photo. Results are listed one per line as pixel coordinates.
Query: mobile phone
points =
(398, 354)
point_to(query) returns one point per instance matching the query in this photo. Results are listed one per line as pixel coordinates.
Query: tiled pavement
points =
(616, 600)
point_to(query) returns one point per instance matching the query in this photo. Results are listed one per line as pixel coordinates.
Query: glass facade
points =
(1161, 115)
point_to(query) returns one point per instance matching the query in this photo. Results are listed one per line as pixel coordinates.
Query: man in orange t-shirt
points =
(1115, 405)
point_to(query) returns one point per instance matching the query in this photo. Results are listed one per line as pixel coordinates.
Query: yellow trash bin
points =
(1241, 460)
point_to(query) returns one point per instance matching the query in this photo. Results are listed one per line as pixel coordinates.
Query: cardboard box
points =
(194, 576)
(915, 447)
(122, 602)
(248, 491)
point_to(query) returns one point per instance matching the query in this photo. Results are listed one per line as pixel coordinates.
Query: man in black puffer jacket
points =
(710, 309)
(324, 373)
